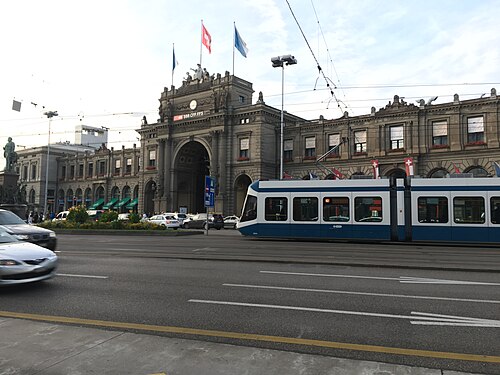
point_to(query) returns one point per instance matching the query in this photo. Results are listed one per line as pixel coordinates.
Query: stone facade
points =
(210, 127)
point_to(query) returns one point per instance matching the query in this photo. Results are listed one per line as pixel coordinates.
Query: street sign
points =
(209, 191)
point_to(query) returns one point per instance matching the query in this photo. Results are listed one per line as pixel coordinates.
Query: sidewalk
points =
(30, 347)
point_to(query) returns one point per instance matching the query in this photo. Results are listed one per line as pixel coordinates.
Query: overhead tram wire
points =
(320, 70)
(339, 85)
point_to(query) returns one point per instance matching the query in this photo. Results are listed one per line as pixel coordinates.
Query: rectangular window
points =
(25, 172)
(336, 209)
(305, 209)
(288, 150)
(72, 171)
(368, 209)
(128, 167)
(276, 209)
(152, 158)
(432, 210)
(360, 141)
(244, 146)
(63, 172)
(475, 129)
(118, 164)
(244, 121)
(90, 170)
(102, 167)
(397, 137)
(333, 140)
(468, 210)
(80, 170)
(310, 151)
(33, 172)
(495, 210)
(439, 133)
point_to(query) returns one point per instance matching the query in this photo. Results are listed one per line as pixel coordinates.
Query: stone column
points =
(167, 181)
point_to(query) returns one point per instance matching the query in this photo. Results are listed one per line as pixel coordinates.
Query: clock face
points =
(193, 104)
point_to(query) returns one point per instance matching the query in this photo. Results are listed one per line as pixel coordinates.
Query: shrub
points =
(108, 216)
(134, 218)
(78, 214)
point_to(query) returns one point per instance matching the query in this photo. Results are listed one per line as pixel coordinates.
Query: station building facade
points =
(213, 127)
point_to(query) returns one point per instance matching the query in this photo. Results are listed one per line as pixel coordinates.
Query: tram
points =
(464, 210)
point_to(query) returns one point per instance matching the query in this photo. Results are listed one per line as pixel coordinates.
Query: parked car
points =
(199, 221)
(231, 221)
(94, 215)
(23, 262)
(178, 216)
(14, 225)
(124, 216)
(63, 215)
(167, 221)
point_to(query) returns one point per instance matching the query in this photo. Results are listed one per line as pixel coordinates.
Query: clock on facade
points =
(193, 104)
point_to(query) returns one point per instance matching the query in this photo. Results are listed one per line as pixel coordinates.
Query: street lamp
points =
(280, 62)
(49, 115)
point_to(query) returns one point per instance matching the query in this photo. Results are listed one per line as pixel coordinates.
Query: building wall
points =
(223, 115)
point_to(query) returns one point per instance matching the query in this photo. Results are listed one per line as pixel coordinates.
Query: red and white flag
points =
(409, 166)
(376, 173)
(206, 39)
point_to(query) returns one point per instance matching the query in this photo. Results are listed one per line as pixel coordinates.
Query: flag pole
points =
(234, 41)
(173, 62)
(201, 41)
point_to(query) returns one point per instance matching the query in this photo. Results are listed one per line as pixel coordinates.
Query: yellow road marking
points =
(256, 337)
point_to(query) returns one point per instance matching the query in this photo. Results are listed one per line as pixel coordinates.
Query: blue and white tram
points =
(448, 210)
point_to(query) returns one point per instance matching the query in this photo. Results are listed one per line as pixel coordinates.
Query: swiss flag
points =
(206, 39)
(409, 166)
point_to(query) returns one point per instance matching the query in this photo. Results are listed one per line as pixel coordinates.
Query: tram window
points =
(336, 209)
(495, 210)
(305, 209)
(432, 210)
(368, 209)
(276, 209)
(250, 209)
(468, 210)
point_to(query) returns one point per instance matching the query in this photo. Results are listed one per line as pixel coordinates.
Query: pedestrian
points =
(30, 217)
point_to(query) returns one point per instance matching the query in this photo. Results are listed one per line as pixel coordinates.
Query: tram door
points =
(305, 215)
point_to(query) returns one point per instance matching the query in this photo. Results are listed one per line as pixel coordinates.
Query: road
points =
(287, 298)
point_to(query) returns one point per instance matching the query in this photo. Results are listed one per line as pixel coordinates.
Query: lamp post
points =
(280, 62)
(49, 115)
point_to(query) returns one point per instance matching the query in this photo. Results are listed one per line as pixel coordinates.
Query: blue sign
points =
(209, 191)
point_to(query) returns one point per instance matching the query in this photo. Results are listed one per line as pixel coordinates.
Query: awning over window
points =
(132, 204)
(123, 202)
(110, 204)
(97, 204)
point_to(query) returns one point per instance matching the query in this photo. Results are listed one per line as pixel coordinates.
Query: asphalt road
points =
(415, 316)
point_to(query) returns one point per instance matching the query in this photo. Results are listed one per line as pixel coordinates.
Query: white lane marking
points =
(401, 279)
(86, 276)
(434, 318)
(361, 293)
(203, 249)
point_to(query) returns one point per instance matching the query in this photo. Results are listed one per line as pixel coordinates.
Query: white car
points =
(23, 262)
(230, 222)
(165, 220)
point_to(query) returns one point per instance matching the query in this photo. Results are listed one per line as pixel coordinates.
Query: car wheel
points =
(205, 226)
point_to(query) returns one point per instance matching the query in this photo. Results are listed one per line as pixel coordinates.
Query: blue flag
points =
(174, 60)
(239, 43)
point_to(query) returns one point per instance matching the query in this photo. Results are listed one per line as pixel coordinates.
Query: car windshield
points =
(6, 237)
(9, 218)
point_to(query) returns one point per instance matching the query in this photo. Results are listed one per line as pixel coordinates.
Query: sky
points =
(104, 63)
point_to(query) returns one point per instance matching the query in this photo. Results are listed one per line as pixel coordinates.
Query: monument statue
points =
(10, 155)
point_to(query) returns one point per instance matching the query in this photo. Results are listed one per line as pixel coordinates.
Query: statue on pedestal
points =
(10, 155)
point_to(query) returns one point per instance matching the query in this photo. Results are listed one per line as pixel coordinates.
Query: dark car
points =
(14, 225)
(199, 221)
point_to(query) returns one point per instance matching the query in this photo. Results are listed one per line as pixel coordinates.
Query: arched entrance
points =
(396, 173)
(240, 191)
(192, 164)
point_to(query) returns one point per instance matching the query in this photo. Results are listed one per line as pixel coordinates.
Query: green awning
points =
(123, 202)
(97, 204)
(132, 204)
(110, 204)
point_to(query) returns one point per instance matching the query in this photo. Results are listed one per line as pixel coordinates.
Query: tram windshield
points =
(249, 209)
